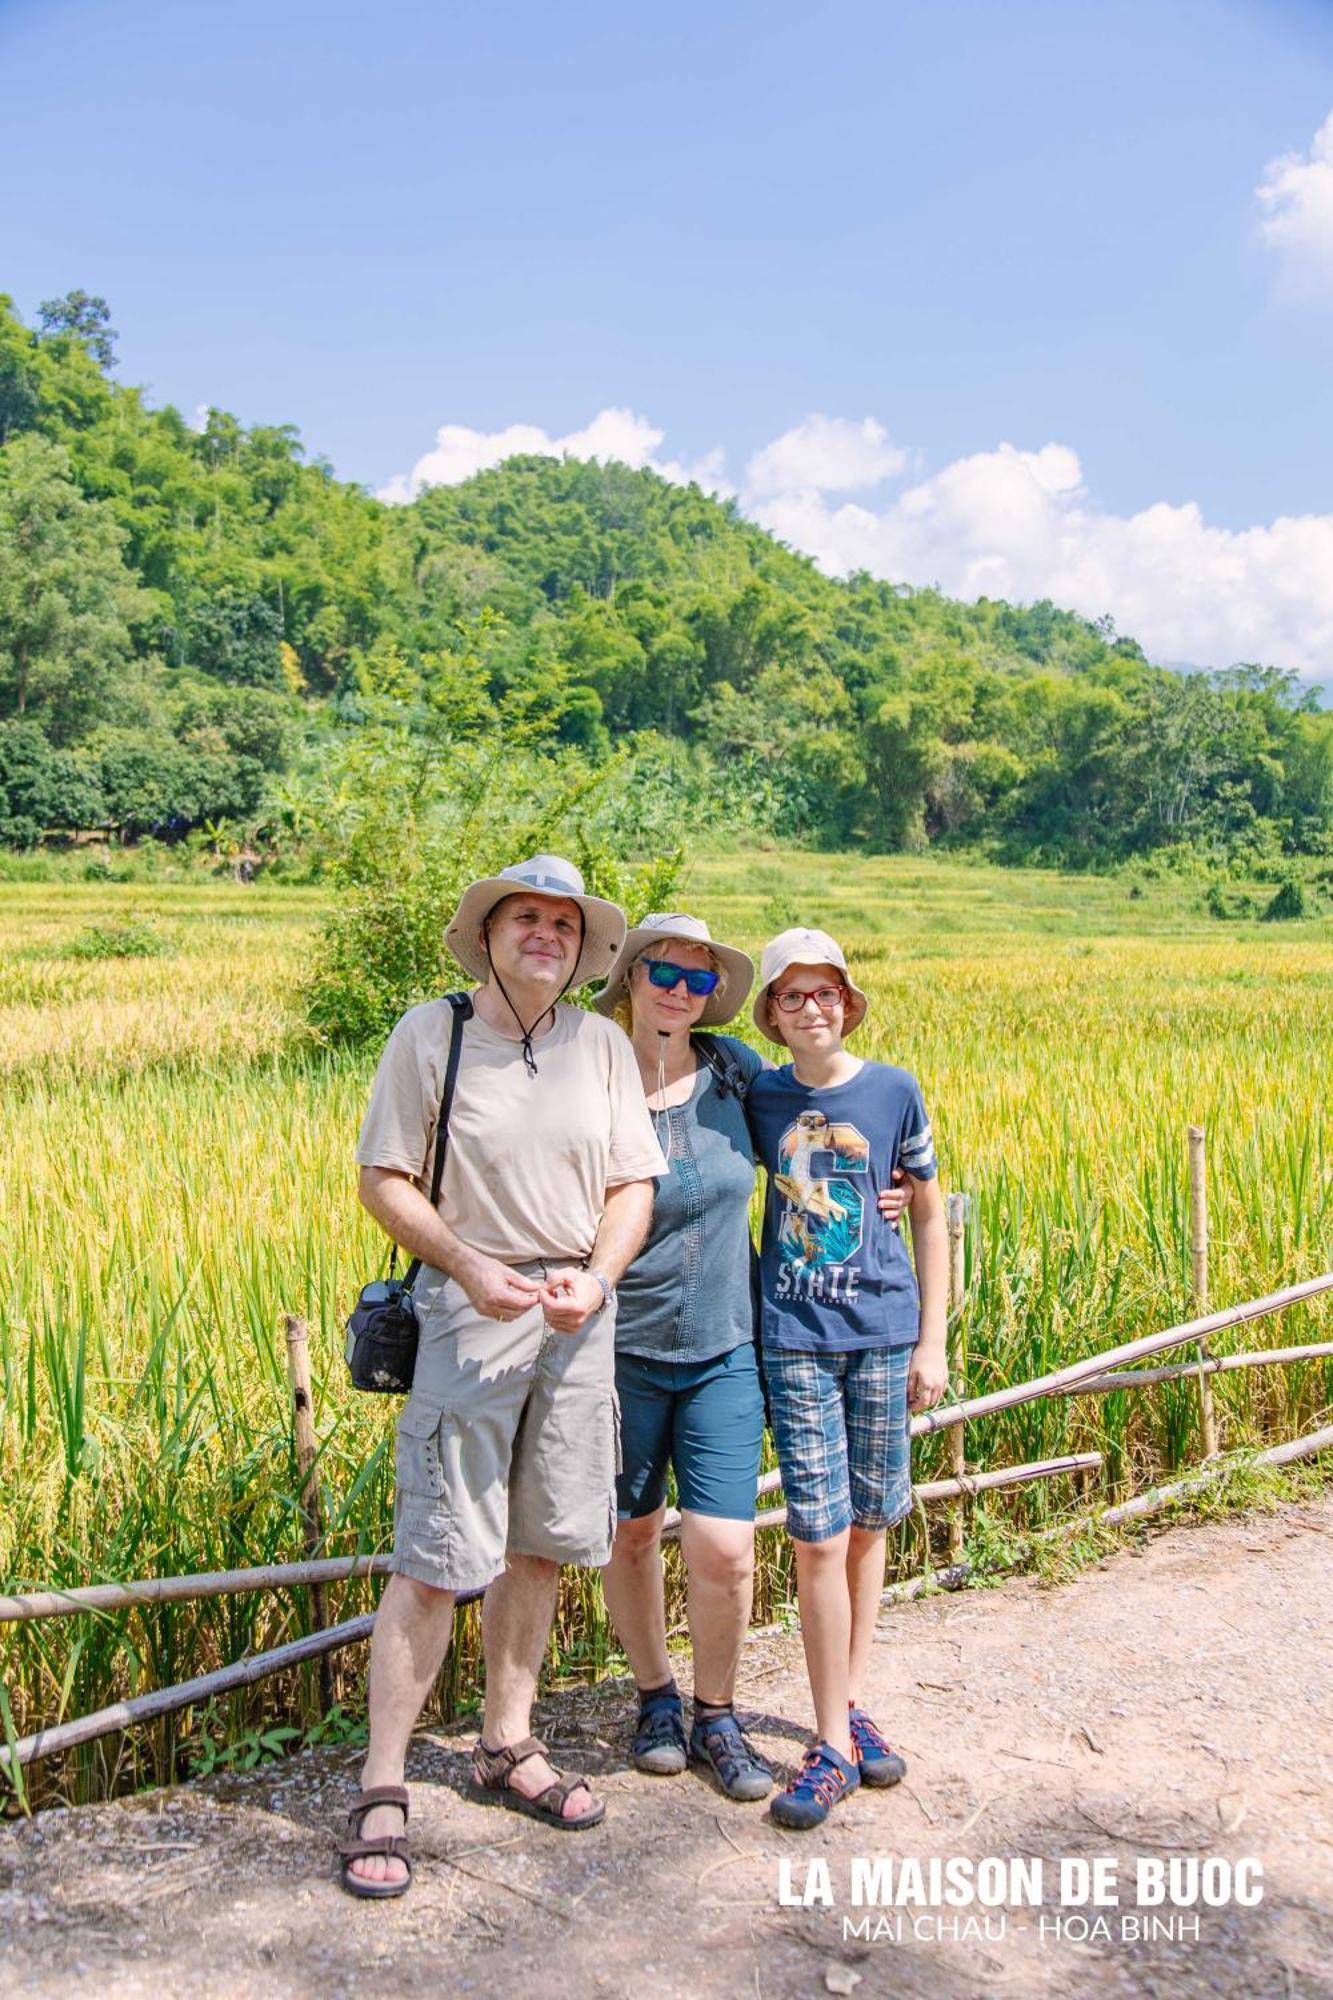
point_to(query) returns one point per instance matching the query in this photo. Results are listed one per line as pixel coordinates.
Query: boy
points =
(847, 1343)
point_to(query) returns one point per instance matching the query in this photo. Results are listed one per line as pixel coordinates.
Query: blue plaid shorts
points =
(840, 1427)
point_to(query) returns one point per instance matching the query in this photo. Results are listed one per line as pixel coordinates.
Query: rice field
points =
(177, 1174)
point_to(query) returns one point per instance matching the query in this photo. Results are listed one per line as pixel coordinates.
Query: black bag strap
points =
(731, 1078)
(462, 1006)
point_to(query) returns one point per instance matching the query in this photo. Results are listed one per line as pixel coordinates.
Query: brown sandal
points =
(394, 1845)
(491, 1772)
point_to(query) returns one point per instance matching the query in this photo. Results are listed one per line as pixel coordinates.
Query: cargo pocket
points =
(418, 1469)
(422, 1516)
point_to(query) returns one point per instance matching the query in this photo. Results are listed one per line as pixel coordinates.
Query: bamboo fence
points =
(1097, 1374)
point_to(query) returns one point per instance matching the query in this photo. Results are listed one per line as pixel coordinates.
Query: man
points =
(507, 1444)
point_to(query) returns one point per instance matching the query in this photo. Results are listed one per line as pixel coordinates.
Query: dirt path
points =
(1173, 1702)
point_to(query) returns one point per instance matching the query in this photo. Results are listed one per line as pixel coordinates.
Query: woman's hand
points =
(928, 1376)
(891, 1201)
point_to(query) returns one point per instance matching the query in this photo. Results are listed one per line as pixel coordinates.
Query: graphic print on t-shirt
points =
(824, 1212)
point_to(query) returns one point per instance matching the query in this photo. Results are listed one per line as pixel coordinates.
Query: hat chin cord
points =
(529, 1058)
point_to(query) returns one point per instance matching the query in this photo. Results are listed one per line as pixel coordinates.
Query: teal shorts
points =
(705, 1419)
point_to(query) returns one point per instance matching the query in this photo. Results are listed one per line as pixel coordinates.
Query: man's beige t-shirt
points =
(529, 1158)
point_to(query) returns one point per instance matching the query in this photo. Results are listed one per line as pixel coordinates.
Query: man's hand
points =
(495, 1290)
(928, 1376)
(891, 1201)
(569, 1297)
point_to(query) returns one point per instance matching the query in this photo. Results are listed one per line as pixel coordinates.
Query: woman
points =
(686, 1370)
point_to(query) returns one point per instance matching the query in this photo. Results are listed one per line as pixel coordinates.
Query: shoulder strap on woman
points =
(731, 1078)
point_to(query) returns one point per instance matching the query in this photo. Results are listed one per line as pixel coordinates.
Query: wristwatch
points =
(608, 1289)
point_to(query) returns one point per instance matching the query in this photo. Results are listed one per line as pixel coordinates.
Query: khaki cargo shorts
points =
(508, 1443)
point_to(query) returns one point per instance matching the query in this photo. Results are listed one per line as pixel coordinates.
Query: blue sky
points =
(834, 259)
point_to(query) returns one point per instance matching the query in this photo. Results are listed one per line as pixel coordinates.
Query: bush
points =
(1288, 903)
(425, 822)
(136, 939)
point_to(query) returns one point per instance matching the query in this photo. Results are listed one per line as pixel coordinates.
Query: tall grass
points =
(177, 1173)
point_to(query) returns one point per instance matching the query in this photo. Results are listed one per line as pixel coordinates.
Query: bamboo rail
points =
(184, 1589)
(1216, 1364)
(1007, 1475)
(930, 1489)
(167, 1701)
(1157, 1497)
(1068, 1380)
(108, 1597)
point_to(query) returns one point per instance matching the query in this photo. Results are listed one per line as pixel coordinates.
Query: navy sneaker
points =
(659, 1736)
(878, 1764)
(717, 1741)
(824, 1778)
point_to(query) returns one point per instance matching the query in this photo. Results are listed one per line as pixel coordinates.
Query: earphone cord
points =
(663, 1112)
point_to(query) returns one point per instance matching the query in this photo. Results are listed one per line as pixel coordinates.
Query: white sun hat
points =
(802, 947)
(541, 875)
(736, 967)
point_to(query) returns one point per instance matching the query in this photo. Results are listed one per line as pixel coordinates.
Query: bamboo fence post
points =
(1199, 1275)
(307, 1457)
(956, 1209)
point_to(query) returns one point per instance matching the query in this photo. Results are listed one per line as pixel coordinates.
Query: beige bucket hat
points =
(802, 947)
(727, 997)
(544, 875)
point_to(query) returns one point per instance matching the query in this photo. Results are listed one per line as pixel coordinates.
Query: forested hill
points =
(189, 616)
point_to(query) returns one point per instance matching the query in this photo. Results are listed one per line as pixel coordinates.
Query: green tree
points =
(66, 598)
(20, 390)
(43, 790)
(88, 318)
(238, 638)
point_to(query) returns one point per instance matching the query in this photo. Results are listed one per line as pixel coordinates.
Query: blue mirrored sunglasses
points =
(699, 979)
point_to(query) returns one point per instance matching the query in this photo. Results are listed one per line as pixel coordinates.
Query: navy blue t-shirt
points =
(834, 1274)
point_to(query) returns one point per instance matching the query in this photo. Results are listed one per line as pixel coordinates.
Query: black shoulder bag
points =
(382, 1332)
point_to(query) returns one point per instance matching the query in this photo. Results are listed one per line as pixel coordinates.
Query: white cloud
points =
(1019, 525)
(1295, 196)
(612, 434)
(1004, 523)
(825, 455)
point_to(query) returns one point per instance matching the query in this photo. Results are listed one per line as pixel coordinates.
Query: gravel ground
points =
(1172, 1702)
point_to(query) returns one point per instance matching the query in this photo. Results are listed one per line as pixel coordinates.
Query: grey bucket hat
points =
(544, 875)
(802, 947)
(727, 997)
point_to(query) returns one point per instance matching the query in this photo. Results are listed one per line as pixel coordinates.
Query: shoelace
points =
(866, 1736)
(827, 1787)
